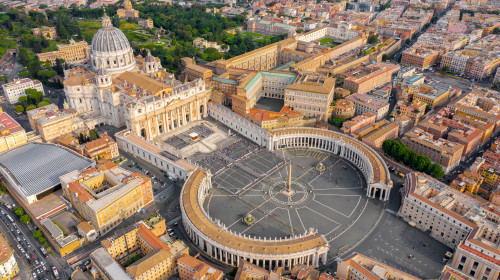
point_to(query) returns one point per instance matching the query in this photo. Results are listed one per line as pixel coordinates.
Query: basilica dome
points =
(110, 49)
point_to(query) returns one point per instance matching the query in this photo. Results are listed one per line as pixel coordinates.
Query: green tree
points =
(93, 135)
(373, 39)
(116, 21)
(46, 99)
(445, 69)
(59, 66)
(19, 108)
(437, 171)
(18, 211)
(30, 107)
(408, 41)
(37, 234)
(385, 57)
(23, 100)
(4, 79)
(496, 30)
(24, 74)
(42, 239)
(25, 219)
(43, 103)
(337, 121)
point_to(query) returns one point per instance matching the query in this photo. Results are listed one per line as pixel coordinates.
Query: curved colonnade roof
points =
(379, 171)
(203, 224)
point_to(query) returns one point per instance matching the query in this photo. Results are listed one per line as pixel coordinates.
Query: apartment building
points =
(442, 127)
(469, 182)
(418, 57)
(104, 147)
(434, 93)
(360, 267)
(191, 268)
(441, 151)
(367, 104)
(481, 104)
(358, 123)
(145, 239)
(17, 88)
(311, 95)
(11, 133)
(432, 206)
(478, 254)
(72, 53)
(366, 78)
(485, 126)
(414, 111)
(107, 194)
(8, 264)
(378, 133)
(273, 120)
(51, 123)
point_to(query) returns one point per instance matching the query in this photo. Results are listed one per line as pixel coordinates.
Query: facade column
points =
(165, 122)
(150, 134)
(157, 125)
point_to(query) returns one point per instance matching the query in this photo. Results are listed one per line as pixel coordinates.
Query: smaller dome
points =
(149, 58)
(102, 72)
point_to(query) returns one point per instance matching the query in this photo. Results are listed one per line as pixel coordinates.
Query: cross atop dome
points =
(106, 21)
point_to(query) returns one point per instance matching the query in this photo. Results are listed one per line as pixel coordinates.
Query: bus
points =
(10, 218)
(56, 274)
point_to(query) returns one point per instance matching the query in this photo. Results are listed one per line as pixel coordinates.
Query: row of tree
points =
(25, 219)
(33, 99)
(401, 153)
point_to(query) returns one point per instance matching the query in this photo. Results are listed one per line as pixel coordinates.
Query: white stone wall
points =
(239, 124)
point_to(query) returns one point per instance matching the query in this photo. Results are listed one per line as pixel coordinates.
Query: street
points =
(27, 249)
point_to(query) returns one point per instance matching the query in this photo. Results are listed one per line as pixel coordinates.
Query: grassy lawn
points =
(326, 40)
(89, 24)
(268, 37)
(151, 45)
(136, 37)
(253, 34)
(125, 25)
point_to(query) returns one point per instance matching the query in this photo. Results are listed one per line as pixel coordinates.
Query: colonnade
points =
(232, 256)
(333, 143)
(232, 247)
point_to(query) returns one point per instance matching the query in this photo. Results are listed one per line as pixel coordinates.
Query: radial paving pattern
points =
(332, 201)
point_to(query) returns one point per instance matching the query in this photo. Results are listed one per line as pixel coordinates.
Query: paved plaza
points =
(183, 140)
(249, 180)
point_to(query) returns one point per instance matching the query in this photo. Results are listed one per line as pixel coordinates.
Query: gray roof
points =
(37, 166)
(109, 39)
(109, 265)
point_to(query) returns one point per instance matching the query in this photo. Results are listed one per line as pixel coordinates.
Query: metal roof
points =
(37, 166)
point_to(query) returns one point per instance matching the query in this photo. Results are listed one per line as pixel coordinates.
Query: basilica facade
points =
(120, 89)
